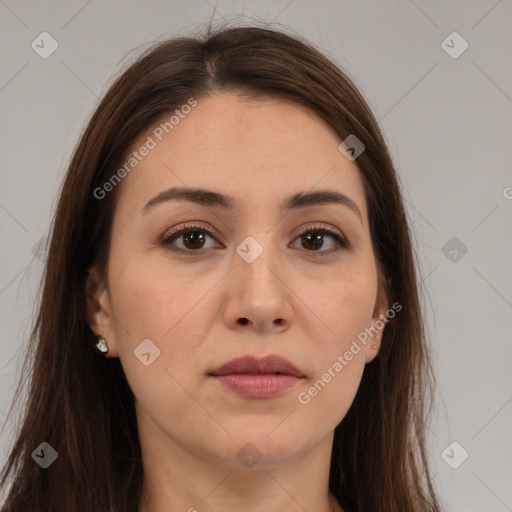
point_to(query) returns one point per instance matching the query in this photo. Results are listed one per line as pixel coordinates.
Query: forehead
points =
(256, 150)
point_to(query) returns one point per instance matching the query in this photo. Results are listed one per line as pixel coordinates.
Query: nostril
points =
(243, 321)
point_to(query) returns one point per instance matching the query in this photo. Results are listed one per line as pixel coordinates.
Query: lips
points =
(255, 378)
(249, 365)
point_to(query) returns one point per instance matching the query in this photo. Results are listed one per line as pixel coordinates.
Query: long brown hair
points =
(81, 404)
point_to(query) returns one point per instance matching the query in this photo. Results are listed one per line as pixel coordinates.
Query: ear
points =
(377, 325)
(99, 314)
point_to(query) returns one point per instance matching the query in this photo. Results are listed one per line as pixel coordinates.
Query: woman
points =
(230, 316)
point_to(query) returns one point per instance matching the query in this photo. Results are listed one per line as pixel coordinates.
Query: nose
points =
(258, 294)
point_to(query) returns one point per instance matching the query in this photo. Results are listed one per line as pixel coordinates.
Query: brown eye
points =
(191, 238)
(314, 239)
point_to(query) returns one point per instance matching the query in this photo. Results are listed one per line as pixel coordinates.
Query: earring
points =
(101, 344)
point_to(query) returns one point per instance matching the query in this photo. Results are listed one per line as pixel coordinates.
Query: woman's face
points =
(262, 280)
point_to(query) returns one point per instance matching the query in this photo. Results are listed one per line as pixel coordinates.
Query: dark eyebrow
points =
(216, 200)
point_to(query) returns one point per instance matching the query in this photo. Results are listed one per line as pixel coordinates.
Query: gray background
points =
(448, 123)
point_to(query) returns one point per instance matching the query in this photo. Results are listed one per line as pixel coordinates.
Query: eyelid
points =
(318, 226)
(187, 226)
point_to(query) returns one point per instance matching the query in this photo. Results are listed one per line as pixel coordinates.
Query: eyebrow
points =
(217, 200)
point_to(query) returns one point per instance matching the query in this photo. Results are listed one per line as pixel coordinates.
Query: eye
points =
(313, 239)
(193, 237)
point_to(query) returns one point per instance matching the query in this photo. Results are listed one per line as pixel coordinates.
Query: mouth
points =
(252, 377)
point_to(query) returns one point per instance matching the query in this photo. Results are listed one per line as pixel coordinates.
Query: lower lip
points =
(257, 386)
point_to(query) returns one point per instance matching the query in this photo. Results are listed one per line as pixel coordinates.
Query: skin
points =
(191, 429)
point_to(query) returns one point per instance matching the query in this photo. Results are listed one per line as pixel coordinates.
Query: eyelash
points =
(343, 243)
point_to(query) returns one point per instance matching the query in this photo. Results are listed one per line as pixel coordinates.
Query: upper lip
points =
(267, 365)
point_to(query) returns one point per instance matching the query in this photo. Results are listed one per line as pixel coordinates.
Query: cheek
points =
(175, 313)
(149, 307)
(342, 307)
(339, 313)
(152, 302)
